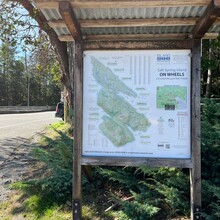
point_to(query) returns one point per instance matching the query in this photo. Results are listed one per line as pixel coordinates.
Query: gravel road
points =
(18, 135)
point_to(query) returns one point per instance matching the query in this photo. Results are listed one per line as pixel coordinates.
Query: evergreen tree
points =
(11, 78)
(210, 78)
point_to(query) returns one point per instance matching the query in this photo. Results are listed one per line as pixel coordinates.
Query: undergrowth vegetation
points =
(56, 153)
(126, 193)
(210, 133)
(48, 195)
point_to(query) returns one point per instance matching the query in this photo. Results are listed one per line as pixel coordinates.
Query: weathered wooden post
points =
(77, 171)
(195, 171)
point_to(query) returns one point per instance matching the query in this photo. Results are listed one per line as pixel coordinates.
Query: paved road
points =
(15, 129)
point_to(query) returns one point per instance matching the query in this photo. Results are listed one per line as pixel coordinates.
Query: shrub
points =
(210, 124)
(56, 154)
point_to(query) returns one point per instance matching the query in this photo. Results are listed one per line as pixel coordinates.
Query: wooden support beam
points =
(195, 172)
(129, 22)
(66, 38)
(122, 3)
(152, 162)
(77, 148)
(57, 23)
(135, 45)
(210, 36)
(43, 4)
(70, 19)
(209, 17)
(136, 37)
(137, 3)
(142, 37)
(138, 22)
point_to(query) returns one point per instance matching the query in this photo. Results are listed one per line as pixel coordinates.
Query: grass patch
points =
(28, 208)
(54, 132)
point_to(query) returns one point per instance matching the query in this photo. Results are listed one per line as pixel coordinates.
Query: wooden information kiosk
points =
(134, 53)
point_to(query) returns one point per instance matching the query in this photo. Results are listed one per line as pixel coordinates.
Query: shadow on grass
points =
(52, 184)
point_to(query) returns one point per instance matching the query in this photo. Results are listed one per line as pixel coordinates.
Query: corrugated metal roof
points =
(140, 13)
(215, 29)
(62, 31)
(51, 14)
(131, 30)
(131, 13)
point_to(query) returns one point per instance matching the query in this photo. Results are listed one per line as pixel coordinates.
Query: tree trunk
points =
(209, 74)
(208, 84)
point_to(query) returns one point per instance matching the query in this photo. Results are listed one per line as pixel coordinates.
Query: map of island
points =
(136, 104)
(118, 133)
(121, 115)
(120, 110)
(106, 78)
(172, 97)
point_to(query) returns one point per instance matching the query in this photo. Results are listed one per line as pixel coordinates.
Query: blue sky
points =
(23, 30)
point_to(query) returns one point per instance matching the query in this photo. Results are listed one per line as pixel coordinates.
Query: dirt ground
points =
(17, 165)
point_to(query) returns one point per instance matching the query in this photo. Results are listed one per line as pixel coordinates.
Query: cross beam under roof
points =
(210, 15)
(129, 22)
(135, 37)
(70, 20)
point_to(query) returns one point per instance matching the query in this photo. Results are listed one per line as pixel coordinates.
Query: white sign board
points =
(136, 103)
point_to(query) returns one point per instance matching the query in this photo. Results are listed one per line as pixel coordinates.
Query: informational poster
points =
(136, 103)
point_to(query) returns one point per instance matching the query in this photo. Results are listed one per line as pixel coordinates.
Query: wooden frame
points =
(123, 161)
(111, 161)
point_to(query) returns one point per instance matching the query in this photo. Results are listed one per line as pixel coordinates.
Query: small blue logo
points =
(163, 57)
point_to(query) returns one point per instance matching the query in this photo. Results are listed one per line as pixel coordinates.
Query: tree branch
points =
(60, 47)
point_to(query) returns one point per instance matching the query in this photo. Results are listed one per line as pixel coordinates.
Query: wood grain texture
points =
(135, 45)
(77, 175)
(122, 3)
(209, 17)
(135, 37)
(152, 162)
(70, 20)
(195, 172)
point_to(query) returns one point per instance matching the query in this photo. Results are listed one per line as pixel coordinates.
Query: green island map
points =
(121, 119)
(172, 97)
